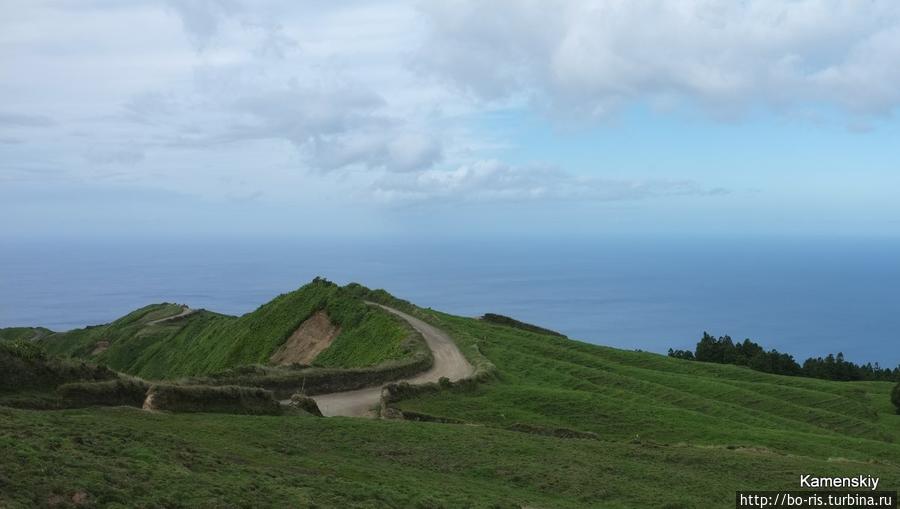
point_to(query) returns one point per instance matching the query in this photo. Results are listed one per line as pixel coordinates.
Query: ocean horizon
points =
(806, 297)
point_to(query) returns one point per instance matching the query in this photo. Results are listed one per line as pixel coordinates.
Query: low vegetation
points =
(120, 392)
(285, 381)
(27, 366)
(747, 353)
(227, 399)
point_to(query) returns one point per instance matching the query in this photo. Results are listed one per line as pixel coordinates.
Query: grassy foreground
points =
(122, 457)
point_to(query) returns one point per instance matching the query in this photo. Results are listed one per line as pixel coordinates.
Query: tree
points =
(681, 354)
(724, 350)
(707, 349)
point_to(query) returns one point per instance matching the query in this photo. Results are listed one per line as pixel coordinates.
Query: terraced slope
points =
(145, 343)
(622, 396)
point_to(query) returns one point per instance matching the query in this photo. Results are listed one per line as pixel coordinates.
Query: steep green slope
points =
(550, 381)
(202, 342)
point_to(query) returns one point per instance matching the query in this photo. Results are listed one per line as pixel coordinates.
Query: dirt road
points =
(185, 310)
(448, 362)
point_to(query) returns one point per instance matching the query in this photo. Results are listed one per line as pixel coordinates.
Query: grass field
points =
(668, 433)
(128, 458)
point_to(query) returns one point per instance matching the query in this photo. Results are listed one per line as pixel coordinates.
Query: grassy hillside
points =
(24, 333)
(204, 342)
(654, 431)
(632, 396)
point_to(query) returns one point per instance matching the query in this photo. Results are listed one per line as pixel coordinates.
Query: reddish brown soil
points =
(312, 337)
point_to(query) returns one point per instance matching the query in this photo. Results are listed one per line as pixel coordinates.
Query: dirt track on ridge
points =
(185, 310)
(448, 362)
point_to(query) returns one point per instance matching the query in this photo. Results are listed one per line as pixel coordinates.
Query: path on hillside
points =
(448, 362)
(185, 310)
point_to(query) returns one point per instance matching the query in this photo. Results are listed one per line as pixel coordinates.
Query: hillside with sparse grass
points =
(545, 422)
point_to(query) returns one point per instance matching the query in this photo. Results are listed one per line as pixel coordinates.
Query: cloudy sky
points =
(576, 117)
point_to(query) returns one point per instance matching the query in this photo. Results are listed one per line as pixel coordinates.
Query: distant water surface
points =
(806, 297)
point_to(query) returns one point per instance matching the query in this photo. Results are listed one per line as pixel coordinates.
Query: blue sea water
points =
(803, 296)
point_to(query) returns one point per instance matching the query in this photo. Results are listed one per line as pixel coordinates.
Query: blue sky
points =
(580, 117)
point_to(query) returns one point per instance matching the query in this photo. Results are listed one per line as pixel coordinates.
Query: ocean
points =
(802, 296)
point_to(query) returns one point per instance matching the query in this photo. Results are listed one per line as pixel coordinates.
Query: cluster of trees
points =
(724, 350)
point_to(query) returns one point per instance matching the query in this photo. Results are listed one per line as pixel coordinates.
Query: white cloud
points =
(231, 98)
(259, 79)
(590, 58)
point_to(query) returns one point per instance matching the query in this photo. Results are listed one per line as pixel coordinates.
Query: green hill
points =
(154, 342)
(24, 333)
(549, 423)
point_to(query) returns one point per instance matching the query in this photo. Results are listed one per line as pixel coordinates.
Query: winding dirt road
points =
(448, 362)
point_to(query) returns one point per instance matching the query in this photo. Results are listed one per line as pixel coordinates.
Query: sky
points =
(580, 117)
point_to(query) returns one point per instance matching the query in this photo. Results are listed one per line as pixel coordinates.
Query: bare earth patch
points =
(148, 403)
(312, 337)
(100, 347)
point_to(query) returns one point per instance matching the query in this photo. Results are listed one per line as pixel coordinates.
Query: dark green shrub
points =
(285, 381)
(121, 392)
(228, 399)
(26, 365)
